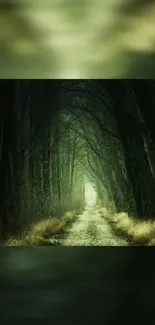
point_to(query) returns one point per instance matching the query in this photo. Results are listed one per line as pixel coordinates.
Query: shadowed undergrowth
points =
(47, 231)
(140, 233)
(43, 232)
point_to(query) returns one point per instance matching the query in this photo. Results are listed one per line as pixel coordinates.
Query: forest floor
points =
(137, 232)
(93, 226)
(86, 228)
(91, 229)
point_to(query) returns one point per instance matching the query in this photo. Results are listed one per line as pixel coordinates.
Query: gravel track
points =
(90, 229)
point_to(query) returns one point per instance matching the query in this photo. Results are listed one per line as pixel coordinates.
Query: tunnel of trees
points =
(58, 135)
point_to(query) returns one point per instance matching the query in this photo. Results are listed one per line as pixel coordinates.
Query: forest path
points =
(90, 229)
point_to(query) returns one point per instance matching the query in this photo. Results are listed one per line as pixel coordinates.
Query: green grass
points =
(141, 233)
(42, 232)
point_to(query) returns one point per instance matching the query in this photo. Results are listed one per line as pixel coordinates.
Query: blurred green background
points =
(77, 39)
(72, 286)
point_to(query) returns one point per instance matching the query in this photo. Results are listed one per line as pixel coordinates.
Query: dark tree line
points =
(57, 134)
(134, 111)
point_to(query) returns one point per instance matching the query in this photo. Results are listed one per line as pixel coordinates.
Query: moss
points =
(91, 229)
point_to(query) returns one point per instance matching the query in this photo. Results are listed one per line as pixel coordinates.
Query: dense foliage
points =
(58, 134)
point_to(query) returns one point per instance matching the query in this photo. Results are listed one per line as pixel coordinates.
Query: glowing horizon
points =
(90, 194)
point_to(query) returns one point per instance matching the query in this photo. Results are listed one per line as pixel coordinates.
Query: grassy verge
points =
(44, 232)
(138, 233)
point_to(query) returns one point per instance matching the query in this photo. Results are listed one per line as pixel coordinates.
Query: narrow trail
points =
(90, 229)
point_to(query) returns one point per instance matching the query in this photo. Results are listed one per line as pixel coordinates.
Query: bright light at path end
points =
(90, 194)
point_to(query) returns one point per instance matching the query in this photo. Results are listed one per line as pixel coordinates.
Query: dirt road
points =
(90, 229)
